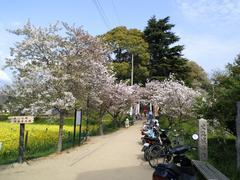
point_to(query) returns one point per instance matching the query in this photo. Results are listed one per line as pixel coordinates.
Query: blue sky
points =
(209, 29)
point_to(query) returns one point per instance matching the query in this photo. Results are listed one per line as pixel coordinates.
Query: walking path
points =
(116, 156)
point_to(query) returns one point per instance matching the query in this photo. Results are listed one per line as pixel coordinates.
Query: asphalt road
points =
(116, 156)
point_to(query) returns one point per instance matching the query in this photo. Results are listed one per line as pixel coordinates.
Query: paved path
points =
(116, 156)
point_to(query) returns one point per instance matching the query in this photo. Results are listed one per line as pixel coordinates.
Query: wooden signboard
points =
(203, 141)
(22, 119)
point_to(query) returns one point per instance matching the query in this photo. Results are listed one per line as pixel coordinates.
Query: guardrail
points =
(208, 171)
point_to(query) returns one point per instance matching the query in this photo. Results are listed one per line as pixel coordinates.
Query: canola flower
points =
(42, 140)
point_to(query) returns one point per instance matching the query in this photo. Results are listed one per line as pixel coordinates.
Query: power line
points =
(102, 13)
(116, 12)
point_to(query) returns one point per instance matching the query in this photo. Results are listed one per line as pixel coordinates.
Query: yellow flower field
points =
(42, 140)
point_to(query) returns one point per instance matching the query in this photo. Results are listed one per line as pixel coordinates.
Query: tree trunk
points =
(238, 135)
(179, 121)
(170, 121)
(101, 127)
(115, 119)
(100, 123)
(60, 133)
(100, 120)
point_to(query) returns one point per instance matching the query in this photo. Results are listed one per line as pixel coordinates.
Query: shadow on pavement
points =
(129, 173)
(141, 156)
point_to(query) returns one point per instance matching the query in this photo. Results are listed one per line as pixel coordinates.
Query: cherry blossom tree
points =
(174, 98)
(109, 96)
(55, 69)
(98, 94)
(120, 98)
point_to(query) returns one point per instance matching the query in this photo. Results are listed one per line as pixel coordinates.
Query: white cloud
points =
(4, 77)
(214, 42)
(208, 51)
(212, 11)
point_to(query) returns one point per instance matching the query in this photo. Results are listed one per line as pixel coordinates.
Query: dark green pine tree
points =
(165, 56)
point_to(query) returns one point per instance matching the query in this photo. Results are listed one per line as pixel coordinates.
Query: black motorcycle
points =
(180, 168)
(157, 153)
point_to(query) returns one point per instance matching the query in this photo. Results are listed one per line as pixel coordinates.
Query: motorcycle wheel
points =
(156, 156)
(146, 154)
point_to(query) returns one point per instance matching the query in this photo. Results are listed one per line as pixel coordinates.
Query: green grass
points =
(222, 155)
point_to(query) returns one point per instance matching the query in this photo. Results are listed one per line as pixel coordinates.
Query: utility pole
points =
(238, 135)
(132, 72)
(132, 109)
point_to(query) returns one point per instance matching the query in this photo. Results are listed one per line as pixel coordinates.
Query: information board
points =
(78, 117)
(21, 119)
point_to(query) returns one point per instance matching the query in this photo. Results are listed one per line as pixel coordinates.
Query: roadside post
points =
(74, 127)
(22, 120)
(26, 140)
(79, 122)
(87, 117)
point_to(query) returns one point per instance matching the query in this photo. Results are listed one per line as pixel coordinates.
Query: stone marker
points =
(203, 141)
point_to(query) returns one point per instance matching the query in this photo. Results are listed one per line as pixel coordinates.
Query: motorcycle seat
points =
(179, 149)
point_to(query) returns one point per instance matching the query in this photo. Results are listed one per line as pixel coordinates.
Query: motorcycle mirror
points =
(195, 137)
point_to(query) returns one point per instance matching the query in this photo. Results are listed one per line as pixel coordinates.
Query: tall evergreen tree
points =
(166, 57)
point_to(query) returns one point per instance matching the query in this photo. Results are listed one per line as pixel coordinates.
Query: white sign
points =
(203, 141)
(1, 145)
(21, 119)
(78, 118)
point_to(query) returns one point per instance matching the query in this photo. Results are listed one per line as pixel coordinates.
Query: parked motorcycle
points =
(157, 152)
(149, 140)
(180, 168)
(150, 132)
